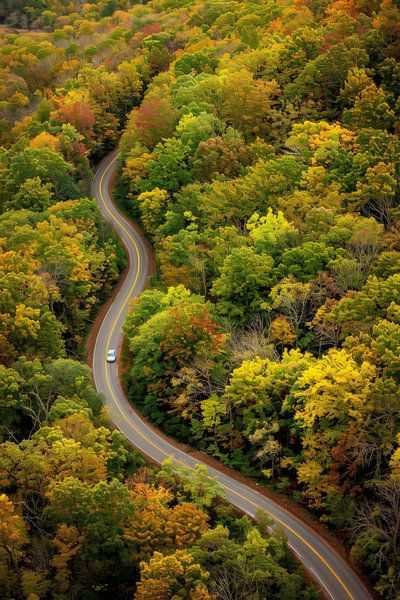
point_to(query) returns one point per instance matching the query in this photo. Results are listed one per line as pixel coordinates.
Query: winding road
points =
(336, 578)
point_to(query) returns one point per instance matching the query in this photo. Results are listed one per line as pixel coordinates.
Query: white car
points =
(111, 356)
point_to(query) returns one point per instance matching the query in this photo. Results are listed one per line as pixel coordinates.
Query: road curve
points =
(335, 576)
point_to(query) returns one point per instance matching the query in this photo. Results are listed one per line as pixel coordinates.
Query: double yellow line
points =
(148, 440)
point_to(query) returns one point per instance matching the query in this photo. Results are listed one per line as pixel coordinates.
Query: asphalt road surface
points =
(335, 577)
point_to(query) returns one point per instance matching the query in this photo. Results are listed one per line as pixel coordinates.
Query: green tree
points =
(245, 281)
(252, 568)
(270, 233)
(33, 195)
(376, 195)
(100, 512)
(358, 311)
(170, 342)
(46, 164)
(168, 169)
(193, 129)
(10, 389)
(195, 63)
(304, 262)
(371, 109)
(194, 485)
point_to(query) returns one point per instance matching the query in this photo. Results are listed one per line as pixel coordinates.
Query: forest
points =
(260, 154)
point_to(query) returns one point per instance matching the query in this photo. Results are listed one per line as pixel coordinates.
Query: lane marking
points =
(149, 441)
(321, 582)
(295, 551)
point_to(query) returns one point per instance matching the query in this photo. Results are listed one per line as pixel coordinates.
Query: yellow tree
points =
(395, 460)
(376, 195)
(67, 543)
(49, 457)
(13, 537)
(281, 332)
(149, 530)
(187, 523)
(333, 404)
(248, 104)
(174, 576)
(153, 205)
(45, 140)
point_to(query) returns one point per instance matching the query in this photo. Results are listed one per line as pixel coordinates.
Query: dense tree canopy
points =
(280, 209)
(260, 152)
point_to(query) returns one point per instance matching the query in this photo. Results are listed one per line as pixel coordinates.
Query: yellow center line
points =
(149, 441)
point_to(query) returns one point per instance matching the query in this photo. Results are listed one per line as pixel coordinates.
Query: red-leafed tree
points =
(78, 114)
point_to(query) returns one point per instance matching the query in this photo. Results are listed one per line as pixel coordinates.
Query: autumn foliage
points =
(260, 153)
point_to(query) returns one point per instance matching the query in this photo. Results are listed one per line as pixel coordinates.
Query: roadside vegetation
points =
(81, 514)
(263, 163)
(260, 153)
